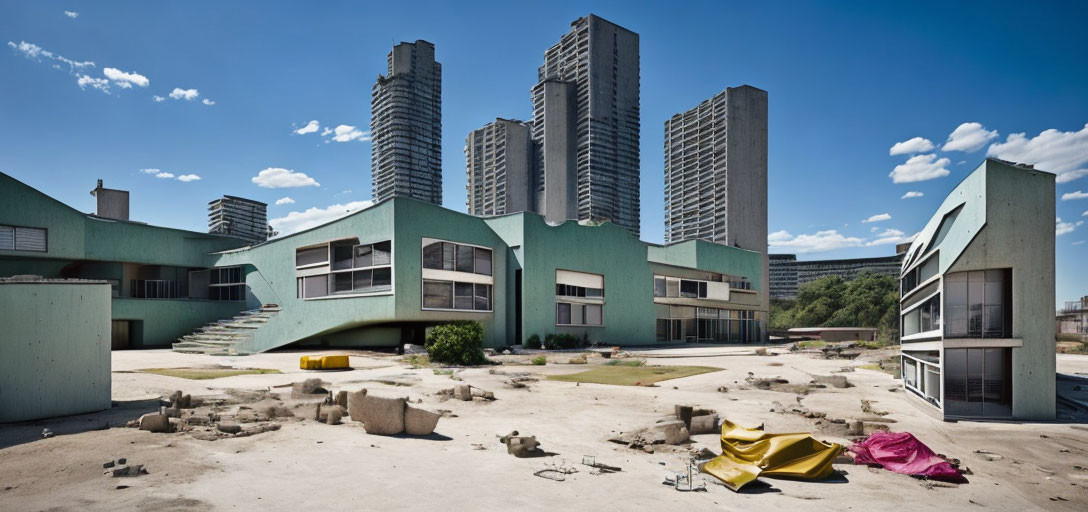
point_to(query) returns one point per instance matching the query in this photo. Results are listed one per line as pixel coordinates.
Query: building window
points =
(567, 313)
(226, 283)
(342, 255)
(659, 286)
(18, 238)
(978, 382)
(453, 257)
(456, 295)
(977, 304)
(311, 256)
(924, 318)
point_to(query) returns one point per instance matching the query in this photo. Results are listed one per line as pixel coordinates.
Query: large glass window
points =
(311, 256)
(978, 382)
(924, 318)
(342, 255)
(438, 294)
(19, 238)
(689, 289)
(977, 304)
(463, 297)
(456, 295)
(659, 287)
(457, 257)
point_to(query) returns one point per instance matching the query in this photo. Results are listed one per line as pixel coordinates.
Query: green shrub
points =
(533, 342)
(625, 362)
(539, 360)
(561, 341)
(457, 343)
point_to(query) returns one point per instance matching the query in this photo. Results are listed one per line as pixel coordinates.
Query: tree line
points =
(869, 300)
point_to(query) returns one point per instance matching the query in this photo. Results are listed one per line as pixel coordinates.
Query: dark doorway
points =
(120, 335)
(978, 382)
(517, 307)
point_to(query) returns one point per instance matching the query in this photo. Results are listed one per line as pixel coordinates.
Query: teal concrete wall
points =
(163, 321)
(55, 349)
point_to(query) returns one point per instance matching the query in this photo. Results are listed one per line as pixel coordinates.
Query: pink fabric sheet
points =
(901, 452)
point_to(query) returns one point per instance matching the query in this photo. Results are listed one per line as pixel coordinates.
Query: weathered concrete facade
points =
(978, 298)
(55, 348)
(406, 125)
(498, 164)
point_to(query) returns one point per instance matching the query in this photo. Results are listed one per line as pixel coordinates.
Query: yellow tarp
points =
(748, 453)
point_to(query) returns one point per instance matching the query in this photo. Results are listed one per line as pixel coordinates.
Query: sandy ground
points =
(310, 465)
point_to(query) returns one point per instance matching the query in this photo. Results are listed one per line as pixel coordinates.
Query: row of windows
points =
(17, 238)
(227, 275)
(679, 288)
(457, 296)
(233, 292)
(457, 258)
(567, 290)
(578, 314)
(345, 283)
(977, 304)
(924, 318)
(348, 255)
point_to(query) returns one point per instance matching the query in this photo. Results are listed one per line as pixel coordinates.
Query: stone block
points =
(704, 425)
(355, 404)
(155, 423)
(463, 392)
(383, 416)
(418, 422)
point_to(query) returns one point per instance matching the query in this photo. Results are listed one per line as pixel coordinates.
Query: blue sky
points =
(846, 82)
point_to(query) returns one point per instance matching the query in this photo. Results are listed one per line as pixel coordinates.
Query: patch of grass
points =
(416, 360)
(207, 373)
(811, 344)
(539, 360)
(625, 362)
(873, 345)
(627, 375)
(441, 371)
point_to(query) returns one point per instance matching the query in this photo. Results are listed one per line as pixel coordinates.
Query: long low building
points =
(788, 274)
(383, 275)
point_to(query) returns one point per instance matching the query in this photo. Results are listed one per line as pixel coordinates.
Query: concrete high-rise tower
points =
(239, 217)
(586, 126)
(406, 125)
(498, 163)
(716, 171)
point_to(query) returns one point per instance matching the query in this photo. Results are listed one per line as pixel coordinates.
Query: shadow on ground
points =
(12, 434)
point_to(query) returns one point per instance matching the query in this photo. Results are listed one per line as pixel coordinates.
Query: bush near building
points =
(561, 341)
(457, 343)
(870, 300)
(533, 342)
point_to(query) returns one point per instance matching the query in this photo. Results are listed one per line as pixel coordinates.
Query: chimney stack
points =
(112, 204)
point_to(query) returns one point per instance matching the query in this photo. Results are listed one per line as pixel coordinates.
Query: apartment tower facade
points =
(238, 217)
(498, 159)
(406, 125)
(586, 125)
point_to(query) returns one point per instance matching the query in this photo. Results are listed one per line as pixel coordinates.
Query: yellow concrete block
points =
(309, 363)
(334, 362)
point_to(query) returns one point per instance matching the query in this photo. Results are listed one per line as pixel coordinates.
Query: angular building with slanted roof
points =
(977, 307)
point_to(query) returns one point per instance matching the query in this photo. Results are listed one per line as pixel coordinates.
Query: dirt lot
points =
(463, 466)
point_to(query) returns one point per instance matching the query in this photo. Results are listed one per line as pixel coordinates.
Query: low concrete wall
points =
(54, 348)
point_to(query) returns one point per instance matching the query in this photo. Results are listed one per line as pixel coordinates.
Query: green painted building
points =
(383, 275)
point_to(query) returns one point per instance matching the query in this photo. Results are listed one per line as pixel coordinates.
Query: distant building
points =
(239, 217)
(788, 274)
(498, 164)
(111, 203)
(977, 331)
(586, 126)
(1073, 318)
(406, 126)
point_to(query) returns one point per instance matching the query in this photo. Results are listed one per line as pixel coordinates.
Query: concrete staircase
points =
(228, 337)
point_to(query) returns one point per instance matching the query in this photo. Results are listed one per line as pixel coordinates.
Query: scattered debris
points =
(903, 453)
(154, 422)
(308, 387)
(124, 471)
(685, 481)
(555, 473)
(867, 406)
(835, 381)
(989, 456)
(602, 468)
(668, 432)
(46, 433)
(521, 446)
(749, 453)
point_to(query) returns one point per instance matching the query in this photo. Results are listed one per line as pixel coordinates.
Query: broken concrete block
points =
(418, 422)
(308, 387)
(523, 446)
(278, 411)
(229, 428)
(334, 414)
(355, 404)
(673, 432)
(479, 393)
(383, 416)
(704, 425)
(683, 413)
(136, 470)
(342, 399)
(463, 392)
(155, 423)
(855, 427)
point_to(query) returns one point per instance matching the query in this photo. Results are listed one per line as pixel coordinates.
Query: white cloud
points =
(888, 236)
(71, 14)
(184, 94)
(1074, 195)
(188, 177)
(912, 194)
(150, 171)
(326, 131)
(878, 217)
(284, 200)
(299, 221)
(207, 102)
(275, 177)
(164, 175)
(1062, 228)
(125, 80)
(1085, 214)
(35, 52)
(158, 99)
(969, 137)
(1079, 242)
(920, 168)
(908, 147)
(98, 83)
(821, 241)
(1062, 153)
(310, 127)
(346, 133)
